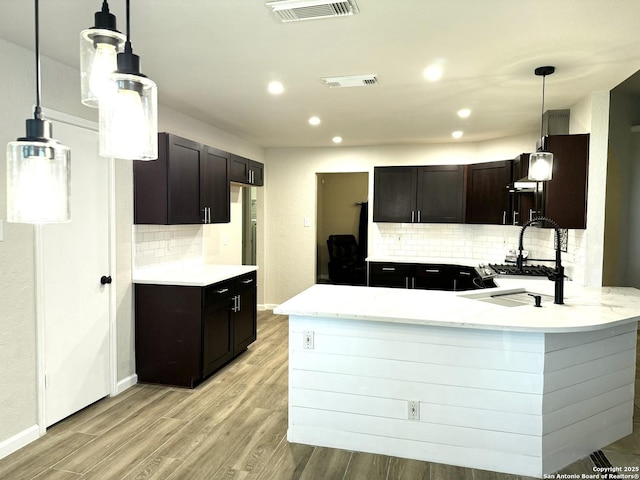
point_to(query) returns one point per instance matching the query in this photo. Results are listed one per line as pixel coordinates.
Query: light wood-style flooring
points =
(233, 426)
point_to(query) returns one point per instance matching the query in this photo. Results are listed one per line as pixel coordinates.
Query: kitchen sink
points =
(517, 298)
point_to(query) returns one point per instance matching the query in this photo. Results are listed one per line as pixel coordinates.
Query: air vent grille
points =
(297, 10)
(351, 81)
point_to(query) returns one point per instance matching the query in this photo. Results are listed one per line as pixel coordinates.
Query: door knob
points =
(104, 279)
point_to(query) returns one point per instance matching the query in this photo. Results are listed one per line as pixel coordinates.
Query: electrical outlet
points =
(307, 339)
(413, 410)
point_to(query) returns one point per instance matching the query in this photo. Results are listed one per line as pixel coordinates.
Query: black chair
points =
(346, 265)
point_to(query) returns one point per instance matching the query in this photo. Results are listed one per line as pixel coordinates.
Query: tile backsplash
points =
(484, 243)
(167, 247)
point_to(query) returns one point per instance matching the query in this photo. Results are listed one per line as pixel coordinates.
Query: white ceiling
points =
(212, 60)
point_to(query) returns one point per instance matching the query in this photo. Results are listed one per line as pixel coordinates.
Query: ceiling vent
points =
(296, 10)
(351, 81)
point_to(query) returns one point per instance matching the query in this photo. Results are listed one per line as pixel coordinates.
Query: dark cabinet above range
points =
(427, 194)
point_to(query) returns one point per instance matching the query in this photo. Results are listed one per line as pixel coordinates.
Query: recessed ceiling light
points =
(464, 113)
(457, 134)
(337, 139)
(276, 88)
(433, 73)
(314, 120)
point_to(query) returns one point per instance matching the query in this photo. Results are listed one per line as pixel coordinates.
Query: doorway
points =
(76, 344)
(341, 203)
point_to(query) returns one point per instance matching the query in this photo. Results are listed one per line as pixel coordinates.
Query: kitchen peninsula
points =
(461, 378)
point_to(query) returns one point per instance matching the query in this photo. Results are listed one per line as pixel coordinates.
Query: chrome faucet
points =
(558, 274)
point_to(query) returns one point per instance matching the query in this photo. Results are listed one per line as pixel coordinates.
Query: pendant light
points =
(128, 110)
(99, 46)
(541, 162)
(38, 167)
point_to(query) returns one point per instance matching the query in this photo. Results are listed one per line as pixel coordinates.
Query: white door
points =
(75, 305)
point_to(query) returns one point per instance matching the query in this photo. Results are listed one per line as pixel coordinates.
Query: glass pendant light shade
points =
(129, 118)
(99, 46)
(541, 166)
(98, 53)
(129, 110)
(38, 177)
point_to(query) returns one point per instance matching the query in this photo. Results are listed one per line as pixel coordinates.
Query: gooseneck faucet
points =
(558, 274)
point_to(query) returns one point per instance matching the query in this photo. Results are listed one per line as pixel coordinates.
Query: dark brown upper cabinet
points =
(427, 194)
(187, 184)
(488, 200)
(565, 195)
(248, 172)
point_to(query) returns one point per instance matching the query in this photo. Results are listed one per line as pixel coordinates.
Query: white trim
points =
(113, 307)
(267, 306)
(40, 329)
(19, 440)
(126, 383)
(69, 119)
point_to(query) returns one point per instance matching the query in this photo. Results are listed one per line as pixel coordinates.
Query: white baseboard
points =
(126, 383)
(267, 306)
(11, 444)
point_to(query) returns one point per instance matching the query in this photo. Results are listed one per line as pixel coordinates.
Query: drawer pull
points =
(465, 273)
(388, 269)
(247, 281)
(432, 270)
(222, 290)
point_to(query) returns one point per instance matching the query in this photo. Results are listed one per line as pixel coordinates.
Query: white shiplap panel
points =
(409, 350)
(575, 393)
(416, 430)
(588, 427)
(584, 446)
(587, 407)
(421, 373)
(396, 408)
(586, 371)
(482, 458)
(583, 353)
(468, 337)
(513, 402)
(558, 341)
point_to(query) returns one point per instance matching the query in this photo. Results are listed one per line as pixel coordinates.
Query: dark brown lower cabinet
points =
(426, 276)
(184, 334)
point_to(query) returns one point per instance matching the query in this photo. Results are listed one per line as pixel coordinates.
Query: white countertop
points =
(196, 276)
(584, 309)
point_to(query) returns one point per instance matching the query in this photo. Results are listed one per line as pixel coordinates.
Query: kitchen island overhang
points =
(520, 390)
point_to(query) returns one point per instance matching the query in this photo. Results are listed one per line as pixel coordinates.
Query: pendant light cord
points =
(128, 29)
(37, 113)
(542, 113)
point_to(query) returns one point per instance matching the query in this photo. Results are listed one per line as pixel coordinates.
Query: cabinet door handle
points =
(531, 214)
(413, 282)
(504, 217)
(239, 304)
(204, 214)
(222, 290)
(515, 218)
(208, 214)
(419, 212)
(406, 282)
(412, 215)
